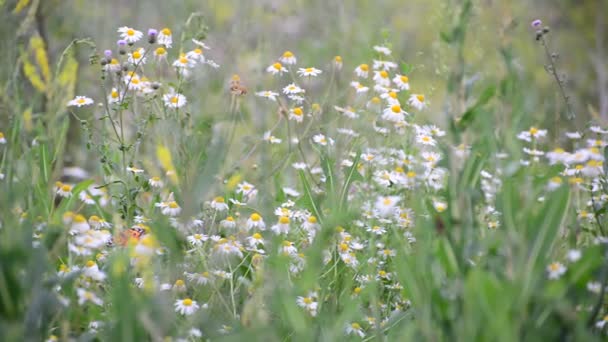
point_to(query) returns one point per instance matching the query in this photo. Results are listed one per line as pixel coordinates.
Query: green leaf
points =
(470, 114)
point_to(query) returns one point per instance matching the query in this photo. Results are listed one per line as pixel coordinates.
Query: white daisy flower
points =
(308, 72)
(383, 50)
(174, 100)
(92, 271)
(402, 82)
(322, 140)
(282, 227)
(556, 270)
(256, 221)
(129, 34)
(80, 101)
(355, 329)
(288, 58)
(348, 112)
(197, 239)
(271, 95)
(276, 68)
(393, 113)
(186, 306)
(292, 89)
(296, 114)
(362, 70)
(382, 78)
(87, 296)
(165, 37)
(219, 204)
(417, 101)
(271, 138)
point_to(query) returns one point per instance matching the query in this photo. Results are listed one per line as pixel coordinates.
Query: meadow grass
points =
(316, 196)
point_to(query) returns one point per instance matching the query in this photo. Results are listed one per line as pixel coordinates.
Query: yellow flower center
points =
(533, 130)
(66, 188)
(396, 108)
(257, 236)
(174, 99)
(287, 243)
(420, 98)
(90, 263)
(404, 79)
(179, 282)
(130, 32)
(375, 100)
(114, 94)
(80, 101)
(426, 138)
(187, 302)
(557, 180)
(312, 219)
(198, 236)
(338, 59)
(387, 201)
(307, 300)
(357, 290)
(411, 174)
(364, 67)
(343, 247)
(284, 220)
(308, 70)
(298, 111)
(173, 205)
(383, 74)
(392, 94)
(255, 217)
(160, 51)
(287, 54)
(554, 267)
(198, 51)
(277, 66)
(356, 326)
(136, 55)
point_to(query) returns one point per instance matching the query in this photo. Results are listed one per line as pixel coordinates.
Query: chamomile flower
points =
(160, 53)
(402, 82)
(183, 62)
(276, 68)
(425, 139)
(171, 209)
(338, 62)
(174, 100)
(255, 221)
(219, 204)
(417, 101)
(288, 58)
(64, 190)
(186, 306)
(155, 182)
(282, 227)
(114, 96)
(137, 57)
(308, 72)
(385, 205)
(355, 329)
(130, 35)
(80, 101)
(362, 70)
(556, 270)
(440, 206)
(359, 88)
(2, 138)
(393, 113)
(228, 223)
(92, 271)
(85, 296)
(383, 50)
(255, 240)
(292, 89)
(322, 140)
(348, 112)
(196, 55)
(384, 65)
(197, 239)
(532, 133)
(296, 114)
(165, 37)
(308, 303)
(271, 138)
(271, 95)
(382, 78)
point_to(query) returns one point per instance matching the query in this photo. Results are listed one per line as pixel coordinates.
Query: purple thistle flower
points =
(107, 53)
(536, 23)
